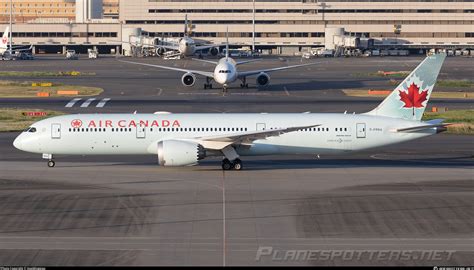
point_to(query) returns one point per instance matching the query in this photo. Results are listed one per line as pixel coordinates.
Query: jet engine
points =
(188, 79)
(263, 79)
(214, 51)
(179, 153)
(160, 51)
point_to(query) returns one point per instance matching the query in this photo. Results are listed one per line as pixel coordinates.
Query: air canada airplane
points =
(225, 71)
(185, 139)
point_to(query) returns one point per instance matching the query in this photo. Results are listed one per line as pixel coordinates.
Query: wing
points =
(203, 47)
(24, 49)
(169, 47)
(245, 138)
(203, 73)
(205, 61)
(247, 61)
(254, 72)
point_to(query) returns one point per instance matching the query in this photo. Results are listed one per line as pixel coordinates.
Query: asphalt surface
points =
(316, 88)
(126, 210)
(109, 210)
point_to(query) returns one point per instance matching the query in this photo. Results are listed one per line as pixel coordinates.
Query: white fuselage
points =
(126, 134)
(187, 46)
(225, 71)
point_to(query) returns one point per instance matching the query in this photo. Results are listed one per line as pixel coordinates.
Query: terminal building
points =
(281, 26)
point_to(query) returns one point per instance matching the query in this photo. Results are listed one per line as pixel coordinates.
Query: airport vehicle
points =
(185, 139)
(92, 54)
(6, 48)
(225, 72)
(71, 55)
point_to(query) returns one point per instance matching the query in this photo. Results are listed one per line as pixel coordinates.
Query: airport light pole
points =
(11, 30)
(253, 32)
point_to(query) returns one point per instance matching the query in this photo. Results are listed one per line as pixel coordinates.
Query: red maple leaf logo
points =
(414, 98)
(76, 123)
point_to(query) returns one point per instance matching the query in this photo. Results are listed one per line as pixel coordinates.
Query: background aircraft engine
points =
(214, 51)
(179, 153)
(263, 79)
(188, 79)
(160, 51)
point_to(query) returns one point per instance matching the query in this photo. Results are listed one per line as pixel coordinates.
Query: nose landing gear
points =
(51, 163)
(49, 157)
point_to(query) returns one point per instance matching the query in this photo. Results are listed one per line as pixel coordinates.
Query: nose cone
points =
(17, 143)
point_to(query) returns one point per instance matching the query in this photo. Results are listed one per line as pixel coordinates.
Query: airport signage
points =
(35, 114)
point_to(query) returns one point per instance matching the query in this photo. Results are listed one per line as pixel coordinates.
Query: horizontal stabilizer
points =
(441, 126)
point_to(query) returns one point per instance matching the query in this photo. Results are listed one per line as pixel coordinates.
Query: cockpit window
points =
(224, 71)
(30, 129)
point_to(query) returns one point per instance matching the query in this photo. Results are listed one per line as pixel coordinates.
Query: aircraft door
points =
(360, 130)
(261, 126)
(55, 131)
(141, 132)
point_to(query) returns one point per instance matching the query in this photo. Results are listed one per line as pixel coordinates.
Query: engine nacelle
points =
(263, 79)
(214, 51)
(188, 79)
(160, 51)
(179, 153)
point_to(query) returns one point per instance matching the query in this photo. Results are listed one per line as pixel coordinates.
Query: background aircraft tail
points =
(410, 98)
(4, 41)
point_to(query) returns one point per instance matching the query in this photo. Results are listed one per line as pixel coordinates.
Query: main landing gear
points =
(208, 84)
(244, 84)
(227, 165)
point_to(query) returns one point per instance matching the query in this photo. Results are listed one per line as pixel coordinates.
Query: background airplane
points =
(185, 139)
(225, 72)
(184, 46)
(6, 49)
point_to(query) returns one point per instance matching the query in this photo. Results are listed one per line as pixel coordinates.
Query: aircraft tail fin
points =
(410, 98)
(4, 42)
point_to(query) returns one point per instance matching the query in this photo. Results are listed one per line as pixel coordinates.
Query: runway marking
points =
(224, 247)
(197, 93)
(250, 94)
(101, 104)
(72, 102)
(87, 103)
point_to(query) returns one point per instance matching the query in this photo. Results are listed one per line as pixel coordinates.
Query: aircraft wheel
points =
(205, 86)
(226, 165)
(51, 163)
(210, 86)
(237, 164)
